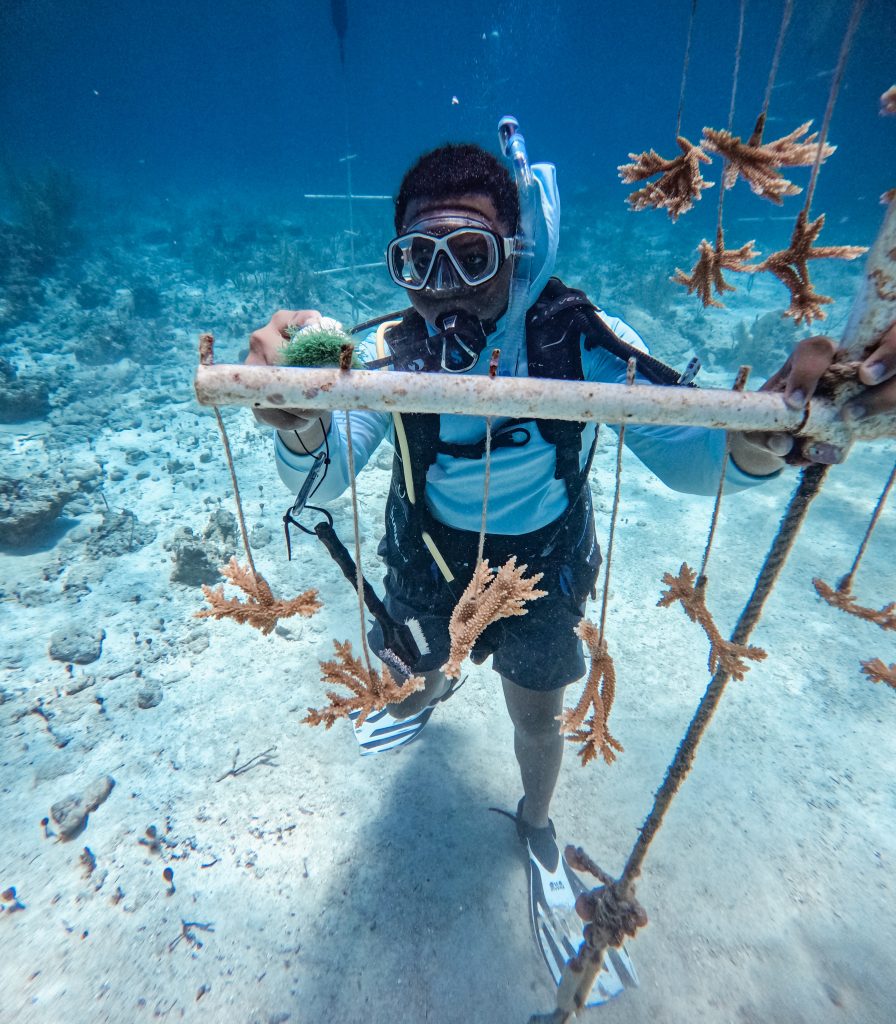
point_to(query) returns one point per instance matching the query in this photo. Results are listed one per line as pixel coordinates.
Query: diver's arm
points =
(368, 430)
(265, 349)
(326, 435)
(687, 459)
(308, 433)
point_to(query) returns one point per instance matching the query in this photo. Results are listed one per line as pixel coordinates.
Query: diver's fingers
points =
(777, 444)
(872, 401)
(284, 318)
(810, 359)
(265, 343)
(880, 365)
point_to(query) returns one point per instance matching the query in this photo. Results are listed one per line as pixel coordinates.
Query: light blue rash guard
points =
(523, 493)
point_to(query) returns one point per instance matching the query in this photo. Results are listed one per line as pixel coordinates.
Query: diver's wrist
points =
(309, 437)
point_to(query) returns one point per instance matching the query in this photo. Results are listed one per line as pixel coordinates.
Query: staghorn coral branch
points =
(598, 694)
(260, 609)
(790, 266)
(706, 274)
(372, 692)
(680, 182)
(724, 655)
(884, 617)
(757, 162)
(878, 672)
(490, 595)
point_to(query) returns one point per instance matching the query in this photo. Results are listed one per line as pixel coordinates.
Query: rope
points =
(359, 576)
(684, 69)
(811, 479)
(739, 384)
(845, 585)
(734, 77)
(485, 486)
(776, 60)
(605, 594)
(236, 491)
(737, 55)
(857, 8)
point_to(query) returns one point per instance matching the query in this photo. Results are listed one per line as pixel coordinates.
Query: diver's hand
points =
(762, 453)
(265, 346)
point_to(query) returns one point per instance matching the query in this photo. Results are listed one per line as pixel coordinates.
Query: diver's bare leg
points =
(537, 744)
(436, 686)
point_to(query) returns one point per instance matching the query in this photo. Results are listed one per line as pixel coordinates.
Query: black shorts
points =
(538, 650)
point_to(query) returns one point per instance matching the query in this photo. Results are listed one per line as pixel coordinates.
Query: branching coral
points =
(260, 609)
(757, 162)
(884, 617)
(706, 274)
(680, 182)
(878, 672)
(790, 266)
(372, 692)
(599, 692)
(490, 595)
(723, 654)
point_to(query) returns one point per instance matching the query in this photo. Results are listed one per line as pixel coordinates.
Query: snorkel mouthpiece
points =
(459, 341)
(513, 147)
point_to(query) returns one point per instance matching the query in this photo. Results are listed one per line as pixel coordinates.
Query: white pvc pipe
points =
(275, 387)
(281, 387)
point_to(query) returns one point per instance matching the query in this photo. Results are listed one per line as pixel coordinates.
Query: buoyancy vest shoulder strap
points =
(570, 311)
(412, 451)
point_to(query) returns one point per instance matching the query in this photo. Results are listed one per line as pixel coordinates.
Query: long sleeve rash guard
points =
(523, 493)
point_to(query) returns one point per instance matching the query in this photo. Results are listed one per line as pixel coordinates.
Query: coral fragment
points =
(878, 672)
(598, 695)
(790, 266)
(680, 182)
(260, 609)
(490, 595)
(725, 655)
(757, 162)
(884, 617)
(706, 274)
(372, 691)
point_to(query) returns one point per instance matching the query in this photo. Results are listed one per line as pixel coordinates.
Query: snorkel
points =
(513, 147)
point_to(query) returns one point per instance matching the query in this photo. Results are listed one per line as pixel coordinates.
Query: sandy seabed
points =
(318, 885)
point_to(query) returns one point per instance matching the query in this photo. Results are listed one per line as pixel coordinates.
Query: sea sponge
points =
(315, 347)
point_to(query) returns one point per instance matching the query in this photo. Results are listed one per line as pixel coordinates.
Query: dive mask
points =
(466, 256)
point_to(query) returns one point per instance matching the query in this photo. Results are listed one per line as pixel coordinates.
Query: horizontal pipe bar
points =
(349, 270)
(322, 195)
(282, 387)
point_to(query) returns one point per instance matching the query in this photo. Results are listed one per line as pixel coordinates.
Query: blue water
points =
(226, 95)
(175, 143)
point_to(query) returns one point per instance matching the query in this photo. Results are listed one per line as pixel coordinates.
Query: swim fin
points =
(553, 888)
(380, 731)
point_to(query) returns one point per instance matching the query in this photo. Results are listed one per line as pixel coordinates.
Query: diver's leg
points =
(436, 686)
(537, 744)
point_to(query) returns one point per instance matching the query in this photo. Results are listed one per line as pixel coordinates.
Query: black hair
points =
(455, 170)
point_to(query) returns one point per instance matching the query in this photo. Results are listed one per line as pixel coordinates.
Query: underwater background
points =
(155, 163)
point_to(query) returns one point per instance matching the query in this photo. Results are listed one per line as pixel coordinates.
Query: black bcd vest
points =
(554, 326)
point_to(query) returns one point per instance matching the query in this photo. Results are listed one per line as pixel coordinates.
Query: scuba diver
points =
(474, 251)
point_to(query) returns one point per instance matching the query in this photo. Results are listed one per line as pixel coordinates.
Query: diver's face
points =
(437, 217)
